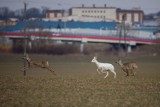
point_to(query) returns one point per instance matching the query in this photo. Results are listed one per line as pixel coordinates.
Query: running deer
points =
(41, 64)
(128, 67)
(104, 67)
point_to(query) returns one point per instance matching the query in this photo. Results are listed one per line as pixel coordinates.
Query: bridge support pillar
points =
(30, 45)
(83, 41)
(82, 47)
(129, 49)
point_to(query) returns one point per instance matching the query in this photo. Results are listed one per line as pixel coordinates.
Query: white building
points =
(92, 14)
(108, 14)
(54, 14)
(98, 13)
(131, 16)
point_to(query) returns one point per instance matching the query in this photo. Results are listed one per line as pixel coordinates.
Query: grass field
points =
(77, 84)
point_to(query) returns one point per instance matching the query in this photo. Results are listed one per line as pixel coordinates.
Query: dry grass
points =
(77, 84)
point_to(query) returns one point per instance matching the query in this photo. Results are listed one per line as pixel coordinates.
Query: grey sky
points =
(148, 6)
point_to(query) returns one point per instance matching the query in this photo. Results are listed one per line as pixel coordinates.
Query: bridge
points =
(83, 38)
(129, 41)
(83, 32)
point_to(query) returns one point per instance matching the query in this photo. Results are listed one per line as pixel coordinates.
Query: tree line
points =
(6, 13)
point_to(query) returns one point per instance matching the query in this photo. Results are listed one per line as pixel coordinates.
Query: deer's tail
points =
(135, 66)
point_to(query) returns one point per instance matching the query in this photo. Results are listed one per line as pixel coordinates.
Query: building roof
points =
(129, 11)
(94, 7)
(55, 11)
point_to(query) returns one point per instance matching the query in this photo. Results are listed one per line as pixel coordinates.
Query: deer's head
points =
(119, 62)
(94, 59)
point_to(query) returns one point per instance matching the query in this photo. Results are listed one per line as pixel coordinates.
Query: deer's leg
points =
(127, 73)
(114, 73)
(24, 68)
(106, 74)
(133, 72)
(48, 68)
(98, 71)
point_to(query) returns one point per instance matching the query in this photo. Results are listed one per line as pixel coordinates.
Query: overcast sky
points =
(148, 6)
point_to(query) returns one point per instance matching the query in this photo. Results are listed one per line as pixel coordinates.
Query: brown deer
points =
(128, 67)
(41, 64)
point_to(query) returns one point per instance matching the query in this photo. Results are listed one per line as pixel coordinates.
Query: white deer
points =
(41, 64)
(104, 67)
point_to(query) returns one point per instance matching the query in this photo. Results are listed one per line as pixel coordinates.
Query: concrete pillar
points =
(129, 49)
(81, 47)
(84, 40)
(30, 45)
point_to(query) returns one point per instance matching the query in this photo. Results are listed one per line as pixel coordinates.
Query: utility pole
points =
(125, 33)
(25, 37)
(122, 34)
